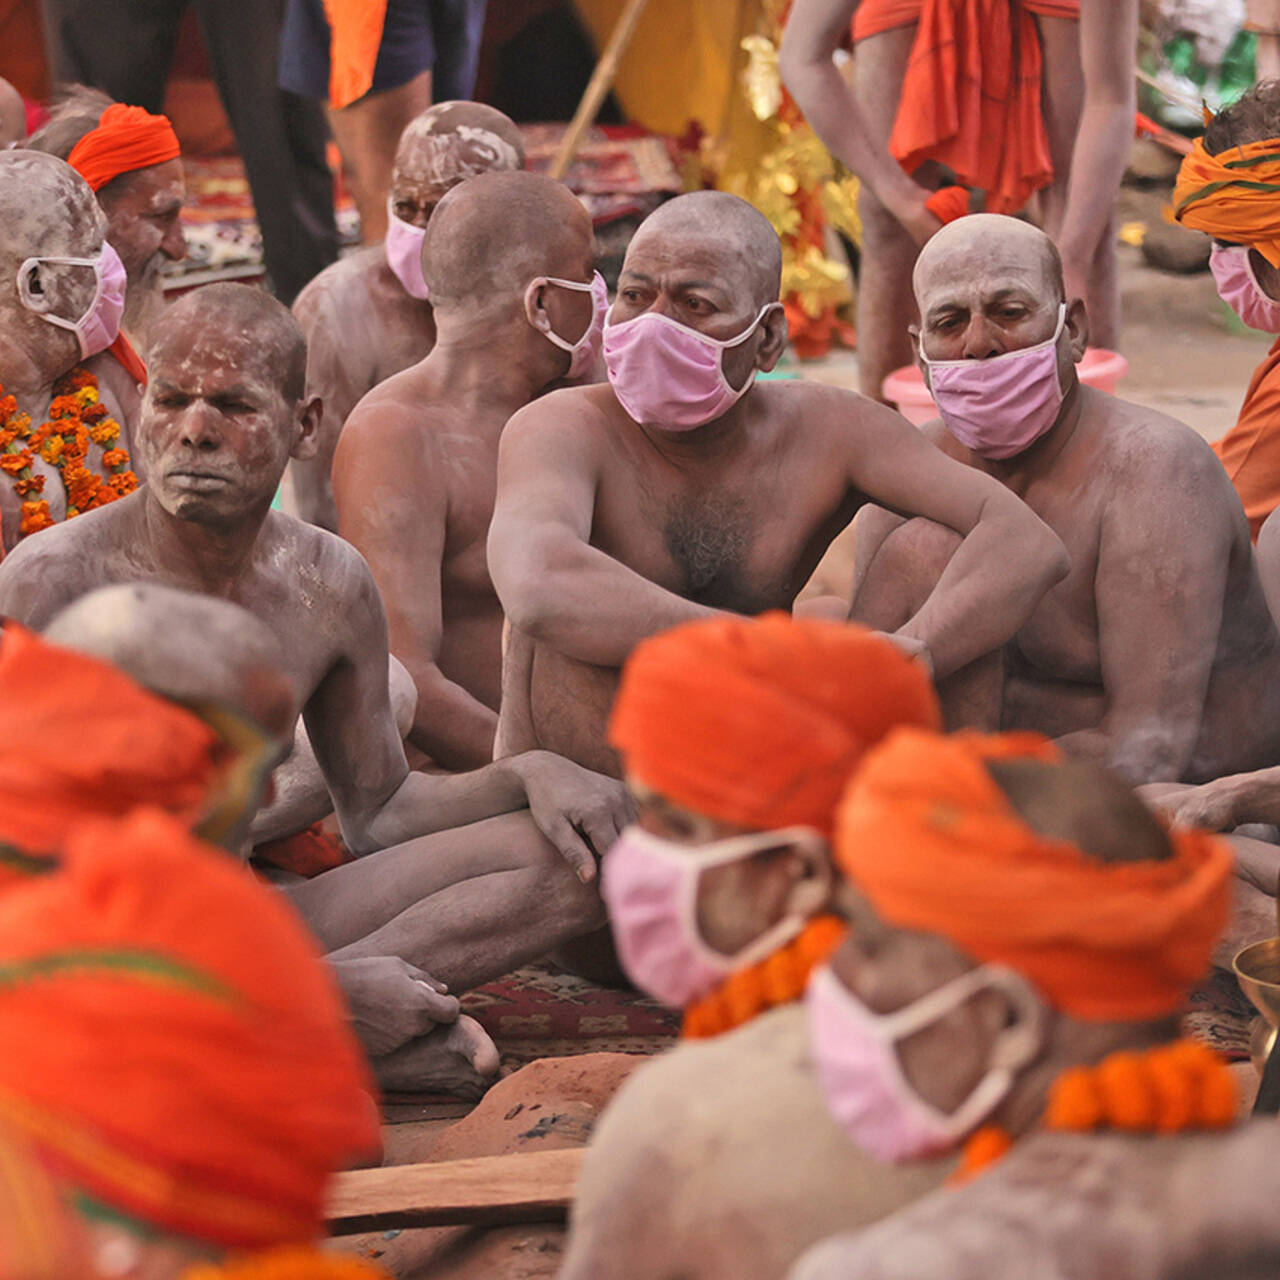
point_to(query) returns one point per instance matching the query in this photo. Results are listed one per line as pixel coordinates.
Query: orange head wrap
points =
(174, 1045)
(758, 721)
(125, 139)
(929, 837)
(1233, 196)
(949, 203)
(79, 738)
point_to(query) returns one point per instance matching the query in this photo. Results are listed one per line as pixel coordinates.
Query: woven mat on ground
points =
(1220, 1016)
(543, 1012)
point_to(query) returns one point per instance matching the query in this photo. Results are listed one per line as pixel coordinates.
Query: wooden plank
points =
(489, 1191)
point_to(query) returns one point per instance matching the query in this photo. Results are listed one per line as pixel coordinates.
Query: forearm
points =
(515, 732)
(1253, 797)
(1097, 166)
(301, 797)
(455, 729)
(988, 591)
(1158, 751)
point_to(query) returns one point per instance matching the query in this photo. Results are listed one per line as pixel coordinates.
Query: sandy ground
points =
(1188, 357)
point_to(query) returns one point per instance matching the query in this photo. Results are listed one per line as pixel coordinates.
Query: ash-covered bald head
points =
(490, 236)
(189, 648)
(726, 233)
(46, 210)
(245, 323)
(452, 141)
(989, 246)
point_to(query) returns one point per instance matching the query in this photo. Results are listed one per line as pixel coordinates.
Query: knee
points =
(903, 572)
(404, 695)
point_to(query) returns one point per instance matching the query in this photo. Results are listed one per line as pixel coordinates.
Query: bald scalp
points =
(46, 210)
(988, 242)
(720, 217)
(218, 310)
(468, 138)
(189, 648)
(1084, 804)
(495, 233)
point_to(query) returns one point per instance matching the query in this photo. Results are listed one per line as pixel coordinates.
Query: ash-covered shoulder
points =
(317, 561)
(346, 280)
(581, 414)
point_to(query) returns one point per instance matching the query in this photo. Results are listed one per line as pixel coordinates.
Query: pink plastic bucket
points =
(905, 387)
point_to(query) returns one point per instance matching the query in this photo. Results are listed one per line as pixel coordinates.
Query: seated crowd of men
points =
(534, 662)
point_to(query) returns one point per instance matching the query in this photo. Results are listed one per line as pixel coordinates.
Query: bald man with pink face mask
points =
(1157, 656)
(689, 486)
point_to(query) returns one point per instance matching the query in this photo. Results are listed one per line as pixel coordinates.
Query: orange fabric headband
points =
(1233, 196)
(758, 721)
(126, 138)
(926, 834)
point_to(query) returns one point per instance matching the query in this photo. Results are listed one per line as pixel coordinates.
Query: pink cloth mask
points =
(403, 247)
(99, 327)
(650, 887)
(670, 376)
(586, 351)
(1238, 287)
(857, 1065)
(1002, 405)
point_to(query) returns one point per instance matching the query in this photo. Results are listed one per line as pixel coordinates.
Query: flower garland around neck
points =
(1172, 1088)
(292, 1262)
(77, 420)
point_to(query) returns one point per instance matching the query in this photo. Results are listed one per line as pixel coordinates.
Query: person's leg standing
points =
(281, 139)
(458, 27)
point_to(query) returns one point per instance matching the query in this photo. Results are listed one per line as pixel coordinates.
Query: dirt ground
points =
(1188, 357)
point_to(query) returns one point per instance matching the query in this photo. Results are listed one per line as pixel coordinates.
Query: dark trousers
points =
(124, 48)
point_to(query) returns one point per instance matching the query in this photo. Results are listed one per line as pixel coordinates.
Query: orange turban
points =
(948, 204)
(928, 836)
(758, 721)
(174, 1045)
(79, 738)
(125, 139)
(1234, 196)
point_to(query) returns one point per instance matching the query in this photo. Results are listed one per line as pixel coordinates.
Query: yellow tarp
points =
(682, 61)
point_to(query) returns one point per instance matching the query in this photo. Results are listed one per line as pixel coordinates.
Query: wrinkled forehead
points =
(693, 256)
(982, 270)
(201, 354)
(443, 160)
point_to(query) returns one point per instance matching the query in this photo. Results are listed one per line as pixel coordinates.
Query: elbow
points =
(528, 602)
(795, 65)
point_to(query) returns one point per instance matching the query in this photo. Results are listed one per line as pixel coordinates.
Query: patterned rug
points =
(1221, 1016)
(543, 1012)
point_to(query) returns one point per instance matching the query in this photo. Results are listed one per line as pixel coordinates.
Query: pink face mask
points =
(403, 247)
(1238, 287)
(586, 351)
(99, 327)
(670, 376)
(650, 887)
(857, 1066)
(1002, 405)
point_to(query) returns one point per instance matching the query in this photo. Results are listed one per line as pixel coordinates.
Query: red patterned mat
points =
(543, 1012)
(1221, 1016)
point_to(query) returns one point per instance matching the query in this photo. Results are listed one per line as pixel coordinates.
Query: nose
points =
(174, 244)
(981, 340)
(200, 429)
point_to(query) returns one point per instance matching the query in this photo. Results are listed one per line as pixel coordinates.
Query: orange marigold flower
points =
(1074, 1103)
(95, 413)
(106, 433)
(123, 482)
(8, 406)
(26, 486)
(64, 407)
(87, 396)
(35, 516)
(115, 458)
(51, 449)
(1127, 1094)
(14, 463)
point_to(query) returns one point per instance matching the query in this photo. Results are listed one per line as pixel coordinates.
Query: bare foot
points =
(460, 1060)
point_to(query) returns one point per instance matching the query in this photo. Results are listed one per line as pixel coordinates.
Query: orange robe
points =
(1250, 451)
(971, 97)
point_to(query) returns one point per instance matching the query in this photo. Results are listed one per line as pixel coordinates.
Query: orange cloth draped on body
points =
(1250, 451)
(971, 97)
(356, 27)
(931, 840)
(757, 722)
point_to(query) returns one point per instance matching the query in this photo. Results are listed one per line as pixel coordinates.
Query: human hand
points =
(582, 813)
(912, 647)
(391, 1001)
(913, 213)
(1211, 807)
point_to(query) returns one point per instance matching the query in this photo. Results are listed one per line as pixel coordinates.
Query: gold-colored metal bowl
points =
(1258, 969)
(1262, 1039)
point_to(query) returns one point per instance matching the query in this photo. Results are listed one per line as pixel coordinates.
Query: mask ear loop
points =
(38, 303)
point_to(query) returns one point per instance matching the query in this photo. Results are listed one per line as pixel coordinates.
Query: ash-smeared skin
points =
(225, 408)
(13, 115)
(415, 469)
(361, 325)
(1157, 655)
(48, 210)
(606, 531)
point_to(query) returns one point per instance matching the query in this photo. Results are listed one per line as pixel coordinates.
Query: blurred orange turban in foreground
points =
(758, 721)
(928, 836)
(80, 739)
(174, 1046)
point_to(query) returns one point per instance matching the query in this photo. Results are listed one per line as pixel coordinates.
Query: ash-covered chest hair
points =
(709, 537)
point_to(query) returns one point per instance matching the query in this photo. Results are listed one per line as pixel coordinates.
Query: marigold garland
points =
(77, 420)
(777, 980)
(293, 1262)
(1170, 1089)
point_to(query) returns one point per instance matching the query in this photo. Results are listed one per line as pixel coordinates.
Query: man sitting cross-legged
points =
(1157, 655)
(509, 259)
(737, 735)
(66, 404)
(1023, 934)
(684, 487)
(367, 316)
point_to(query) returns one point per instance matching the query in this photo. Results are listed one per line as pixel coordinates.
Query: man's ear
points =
(813, 888)
(913, 332)
(774, 342)
(535, 305)
(307, 443)
(1077, 328)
